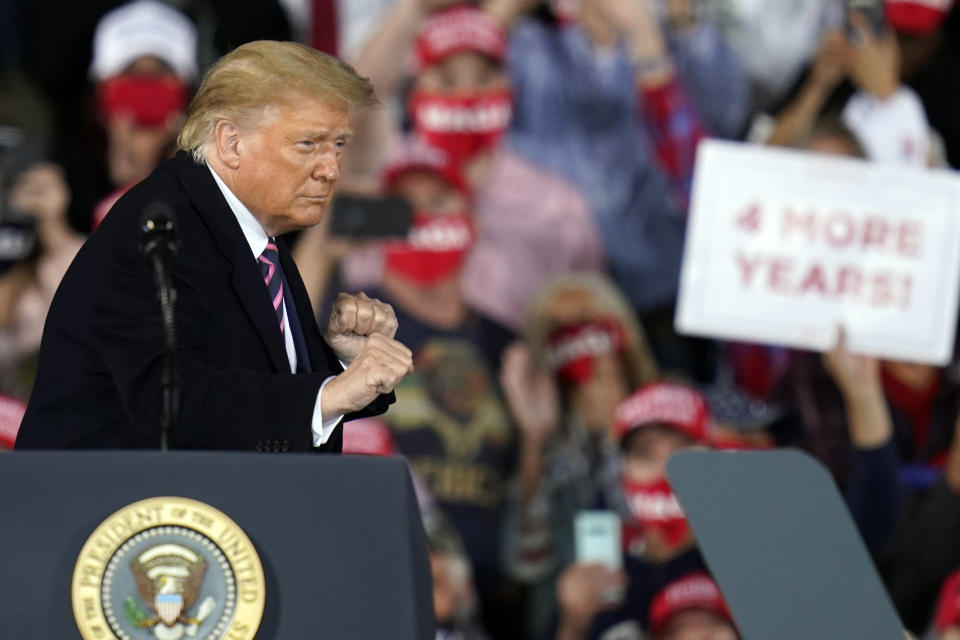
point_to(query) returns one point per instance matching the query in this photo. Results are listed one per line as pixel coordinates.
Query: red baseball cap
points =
(917, 17)
(692, 591)
(459, 28)
(948, 604)
(412, 154)
(669, 404)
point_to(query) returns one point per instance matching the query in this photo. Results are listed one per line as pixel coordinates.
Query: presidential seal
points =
(168, 568)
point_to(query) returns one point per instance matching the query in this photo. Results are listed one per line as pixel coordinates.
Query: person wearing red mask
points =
(449, 422)
(530, 223)
(651, 425)
(690, 607)
(144, 58)
(461, 100)
(422, 271)
(582, 353)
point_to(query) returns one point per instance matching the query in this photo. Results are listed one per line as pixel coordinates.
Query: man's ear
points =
(227, 143)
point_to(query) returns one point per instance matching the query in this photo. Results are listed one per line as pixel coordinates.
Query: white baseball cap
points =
(144, 28)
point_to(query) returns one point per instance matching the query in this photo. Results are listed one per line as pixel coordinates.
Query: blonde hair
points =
(262, 73)
(599, 298)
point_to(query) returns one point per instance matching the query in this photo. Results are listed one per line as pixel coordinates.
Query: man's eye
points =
(341, 145)
(306, 145)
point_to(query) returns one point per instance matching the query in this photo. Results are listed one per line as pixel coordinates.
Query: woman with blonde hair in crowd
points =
(582, 353)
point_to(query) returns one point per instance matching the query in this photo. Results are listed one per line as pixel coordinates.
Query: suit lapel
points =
(246, 278)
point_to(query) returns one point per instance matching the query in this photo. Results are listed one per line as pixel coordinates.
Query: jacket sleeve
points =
(874, 495)
(713, 74)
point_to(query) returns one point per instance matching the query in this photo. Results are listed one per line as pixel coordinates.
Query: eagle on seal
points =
(169, 577)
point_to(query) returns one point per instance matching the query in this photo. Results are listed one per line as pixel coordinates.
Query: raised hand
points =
(532, 395)
(832, 60)
(875, 59)
(858, 377)
(583, 591)
(854, 374)
(353, 320)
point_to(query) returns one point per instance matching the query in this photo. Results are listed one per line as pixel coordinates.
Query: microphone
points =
(158, 242)
(158, 231)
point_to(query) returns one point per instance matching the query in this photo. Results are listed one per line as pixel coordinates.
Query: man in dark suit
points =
(261, 152)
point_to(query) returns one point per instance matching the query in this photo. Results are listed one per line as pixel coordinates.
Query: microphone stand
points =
(170, 375)
(158, 241)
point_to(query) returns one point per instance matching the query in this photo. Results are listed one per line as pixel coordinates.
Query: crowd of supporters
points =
(546, 149)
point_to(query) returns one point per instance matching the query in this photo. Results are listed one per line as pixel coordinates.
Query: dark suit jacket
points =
(98, 382)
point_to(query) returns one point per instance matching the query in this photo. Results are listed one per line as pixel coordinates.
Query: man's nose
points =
(327, 167)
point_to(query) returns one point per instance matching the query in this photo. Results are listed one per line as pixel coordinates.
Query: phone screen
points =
(597, 538)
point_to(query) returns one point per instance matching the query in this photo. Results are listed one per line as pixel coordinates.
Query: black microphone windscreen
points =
(158, 229)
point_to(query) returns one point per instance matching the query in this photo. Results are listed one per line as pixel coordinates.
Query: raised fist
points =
(379, 366)
(353, 320)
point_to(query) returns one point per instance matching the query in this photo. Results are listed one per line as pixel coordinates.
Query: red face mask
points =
(462, 126)
(434, 249)
(654, 506)
(150, 100)
(574, 349)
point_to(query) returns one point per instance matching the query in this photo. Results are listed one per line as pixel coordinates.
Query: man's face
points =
(290, 161)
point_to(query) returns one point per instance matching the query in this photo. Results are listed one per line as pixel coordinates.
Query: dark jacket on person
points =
(98, 381)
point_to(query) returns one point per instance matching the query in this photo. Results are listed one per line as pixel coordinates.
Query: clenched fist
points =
(353, 320)
(378, 368)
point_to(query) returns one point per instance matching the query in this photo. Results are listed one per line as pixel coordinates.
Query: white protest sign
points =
(784, 246)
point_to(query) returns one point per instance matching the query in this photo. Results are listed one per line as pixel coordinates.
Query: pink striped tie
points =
(270, 268)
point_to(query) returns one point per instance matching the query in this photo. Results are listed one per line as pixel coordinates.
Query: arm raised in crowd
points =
(829, 68)
(873, 494)
(708, 68)
(534, 403)
(383, 60)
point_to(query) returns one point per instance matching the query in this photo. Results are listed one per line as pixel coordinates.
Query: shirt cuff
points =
(323, 428)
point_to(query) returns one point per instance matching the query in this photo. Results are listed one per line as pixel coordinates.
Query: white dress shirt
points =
(257, 238)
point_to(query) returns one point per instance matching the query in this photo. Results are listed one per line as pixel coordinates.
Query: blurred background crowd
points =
(546, 150)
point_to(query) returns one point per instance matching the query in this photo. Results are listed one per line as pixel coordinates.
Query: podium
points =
(339, 538)
(782, 546)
